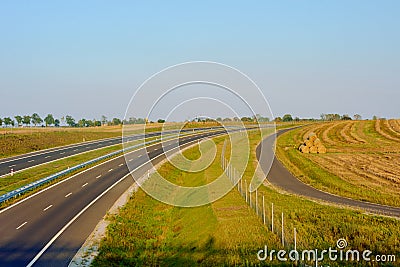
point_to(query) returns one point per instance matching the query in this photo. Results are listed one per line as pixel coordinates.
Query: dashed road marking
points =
(32, 160)
(84, 185)
(67, 195)
(12, 165)
(98, 176)
(22, 225)
(110, 170)
(48, 207)
(120, 164)
(47, 157)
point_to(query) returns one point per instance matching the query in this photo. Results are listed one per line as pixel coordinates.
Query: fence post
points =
(263, 207)
(272, 217)
(283, 237)
(245, 183)
(295, 238)
(256, 202)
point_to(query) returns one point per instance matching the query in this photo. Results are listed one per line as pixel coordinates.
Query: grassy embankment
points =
(227, 232)
(362, 161)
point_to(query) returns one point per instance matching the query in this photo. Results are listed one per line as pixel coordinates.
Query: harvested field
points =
(362, 159)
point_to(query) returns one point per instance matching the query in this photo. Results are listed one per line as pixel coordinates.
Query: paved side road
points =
(279, 176)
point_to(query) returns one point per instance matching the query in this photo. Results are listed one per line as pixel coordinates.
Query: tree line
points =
(36, 120)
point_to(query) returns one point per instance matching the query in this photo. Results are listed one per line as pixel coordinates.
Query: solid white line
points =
(19, 227)
(84, 185)
(98, 176)
(120, 164)
(67, 195)
(110, 170)
(48, 207)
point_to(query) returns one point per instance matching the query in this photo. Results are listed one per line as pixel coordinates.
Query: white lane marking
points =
(48, 207)
(22, 225)
(47, 157)
(62, 153)
(130, 159)
(67, 195)
(155, 149)
(139, 156)
(120, 164)
(32, 160)
(84, 185)
(88, 147)
(110, 170)
(12, 165)
(98, 176)
(75, 149)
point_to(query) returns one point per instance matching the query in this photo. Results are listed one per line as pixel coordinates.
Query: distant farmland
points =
(363, 159)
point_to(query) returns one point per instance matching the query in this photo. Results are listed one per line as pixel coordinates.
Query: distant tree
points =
(236, 119)
(82, 123)
(278, 119)
(357, 117)
(57, 123)
(63, 120)
(246, 119)
(49, 120)
(116, 121)
(1, 121)
(219, 119)
(297, 119)
(36, 119)
(97, 123)
(103, 120)
(19, 120)
(287, 117)
(346, 117)
(7, 121)
(160, 121)
(70, 121)
(26, 120)
(374, 118)
(227, 119)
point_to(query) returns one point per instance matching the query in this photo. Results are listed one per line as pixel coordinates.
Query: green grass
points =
(227, 232)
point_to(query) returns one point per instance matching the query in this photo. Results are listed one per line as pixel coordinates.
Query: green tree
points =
(19, 120)
(1, 121)
(160, 121)
(116, 121)
(49, 120)
(70, 121)
(57, 123)
(357, 117)
(36, 119)
(8, 121)
(103, 120)
(287, 117)
(26, 120)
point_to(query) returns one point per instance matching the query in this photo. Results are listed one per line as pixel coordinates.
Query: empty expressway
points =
(49, 227)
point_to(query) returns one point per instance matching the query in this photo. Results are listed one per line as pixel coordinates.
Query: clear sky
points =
(87, 58)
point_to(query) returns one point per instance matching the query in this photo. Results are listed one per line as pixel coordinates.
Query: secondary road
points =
(279, 176)
(48, 228)
(25, 161)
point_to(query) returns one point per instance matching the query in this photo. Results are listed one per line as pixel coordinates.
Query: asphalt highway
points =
(25, 161)
(48, 228)
(279, 176)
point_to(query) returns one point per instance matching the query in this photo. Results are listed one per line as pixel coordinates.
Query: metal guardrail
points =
(52, 177)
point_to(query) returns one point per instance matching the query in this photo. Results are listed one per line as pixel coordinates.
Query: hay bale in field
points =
(313, 150)
(317, 142)
(312, 137)
(309, 143)
(305, 149)
(321, 149)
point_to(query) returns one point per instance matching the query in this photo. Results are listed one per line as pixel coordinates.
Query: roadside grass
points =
(362, 171)
(227, 232)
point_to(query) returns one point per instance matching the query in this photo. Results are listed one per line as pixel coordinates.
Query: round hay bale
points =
(313, 150)
(312, 137)
(305, 149)
(317, 142)
(321, 149)
(309, 143)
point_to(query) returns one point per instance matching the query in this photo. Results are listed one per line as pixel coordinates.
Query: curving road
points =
(48, 228)
(279, 176)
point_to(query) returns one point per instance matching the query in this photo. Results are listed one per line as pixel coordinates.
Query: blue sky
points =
(87, 58)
